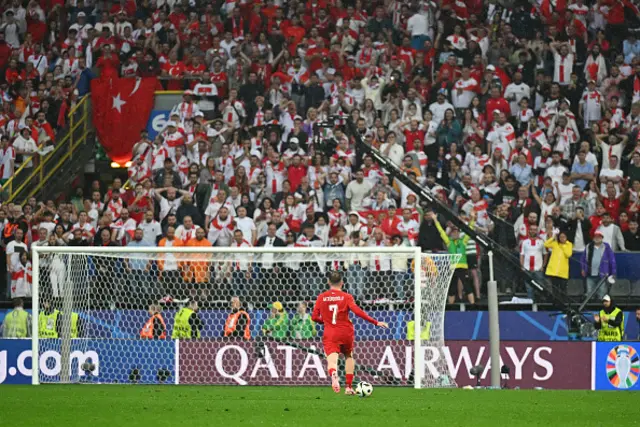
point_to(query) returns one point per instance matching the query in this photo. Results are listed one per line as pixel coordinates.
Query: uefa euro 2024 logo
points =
(623, 366)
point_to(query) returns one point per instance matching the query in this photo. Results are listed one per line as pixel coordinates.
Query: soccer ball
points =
(364, 389)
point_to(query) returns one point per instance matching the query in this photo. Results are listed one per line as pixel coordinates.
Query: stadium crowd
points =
(521, 116)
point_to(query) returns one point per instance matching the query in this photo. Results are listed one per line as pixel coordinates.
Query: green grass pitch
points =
(129, 405)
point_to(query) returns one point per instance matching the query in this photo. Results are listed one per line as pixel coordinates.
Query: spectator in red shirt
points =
(413, 137)
(389, 225)
(108, 63)
(174, 69)
(497, 102)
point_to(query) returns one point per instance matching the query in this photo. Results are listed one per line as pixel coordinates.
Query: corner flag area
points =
(125, 406)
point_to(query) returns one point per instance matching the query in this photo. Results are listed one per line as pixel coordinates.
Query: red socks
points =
(331, 371)
(349, 380)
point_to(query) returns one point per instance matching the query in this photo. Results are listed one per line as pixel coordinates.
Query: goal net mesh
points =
(233, 318)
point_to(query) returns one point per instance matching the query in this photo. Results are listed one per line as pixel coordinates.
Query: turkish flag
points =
(121, 109)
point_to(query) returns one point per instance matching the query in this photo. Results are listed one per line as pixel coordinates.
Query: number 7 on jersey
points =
(333, 308)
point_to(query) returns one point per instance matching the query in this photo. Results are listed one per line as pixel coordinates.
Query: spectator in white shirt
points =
(151, 228)
(611, 233)
(439, 107)
(246, 226)
(464, 90)
(515, 92)
(557, 169)
(39, 61)
(356, 191)
(25, 146)
(13, 250)
(418, 29)
(611, 174)
(392, 149)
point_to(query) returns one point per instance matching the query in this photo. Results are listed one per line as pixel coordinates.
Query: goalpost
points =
(91, 304)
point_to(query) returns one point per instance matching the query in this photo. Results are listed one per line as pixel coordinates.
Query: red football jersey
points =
(332, 309)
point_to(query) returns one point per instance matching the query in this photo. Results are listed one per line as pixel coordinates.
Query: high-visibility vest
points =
(147, 329)
(608, 332)
(9, 229)
(74, 324)
(425, 334)
(232, 323)
(47, 324)
(16, 324)
(181, 327)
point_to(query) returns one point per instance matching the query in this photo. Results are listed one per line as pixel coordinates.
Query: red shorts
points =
(342, 343)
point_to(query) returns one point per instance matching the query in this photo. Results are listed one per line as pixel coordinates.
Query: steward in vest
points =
(187, 324)
(302, 327)
(238, 323)
(76, 324)
(458, 245)
(48, 324)
(425, 334)
(154, 328)
(277, 325)
(610, 321)
(17, 323)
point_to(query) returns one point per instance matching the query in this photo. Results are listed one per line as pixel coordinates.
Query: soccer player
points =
(332, 309)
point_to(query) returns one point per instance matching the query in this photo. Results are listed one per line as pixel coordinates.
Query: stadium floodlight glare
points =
(398, 285)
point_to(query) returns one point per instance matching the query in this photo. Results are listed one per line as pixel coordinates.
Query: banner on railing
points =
(617, 366)
(157, 122)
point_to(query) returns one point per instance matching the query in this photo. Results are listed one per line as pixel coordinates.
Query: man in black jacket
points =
(187, 208)
(314, 93)
(429, 238)
(251, 90)
(167, 177)
(502, 231)
(584, 225)
(632, 236)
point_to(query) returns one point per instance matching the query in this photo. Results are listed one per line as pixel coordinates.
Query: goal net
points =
(233, 315)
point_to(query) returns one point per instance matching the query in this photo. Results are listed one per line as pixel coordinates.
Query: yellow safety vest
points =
(181, 327)
(74, 325)
(47, 324)
(610, 333)
(424, 335)
(16, 324)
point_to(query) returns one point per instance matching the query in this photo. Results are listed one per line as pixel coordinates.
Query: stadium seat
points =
(635, 289)
(620, 289)
(575, 288)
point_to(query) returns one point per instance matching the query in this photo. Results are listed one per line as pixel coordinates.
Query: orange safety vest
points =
(232, 322)
(163, 243)
(9, 229)
(198, 271)
(147, 329)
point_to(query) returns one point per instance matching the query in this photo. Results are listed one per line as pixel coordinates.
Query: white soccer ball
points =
(364, 389)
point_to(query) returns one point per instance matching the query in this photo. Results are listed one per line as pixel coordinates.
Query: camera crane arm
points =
(486, 242)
